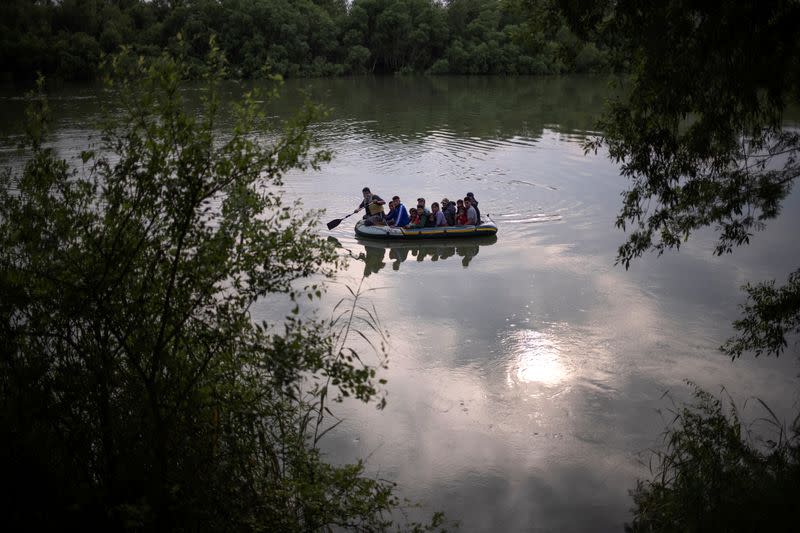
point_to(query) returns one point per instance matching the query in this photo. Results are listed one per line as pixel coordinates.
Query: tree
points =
(700, 136)
(299, 37)
(136, 390)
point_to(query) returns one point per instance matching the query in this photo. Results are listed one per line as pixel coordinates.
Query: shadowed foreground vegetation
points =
(700, 135)
(136, 391)
(715, 474)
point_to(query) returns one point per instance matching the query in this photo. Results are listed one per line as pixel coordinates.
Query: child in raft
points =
(414, 221)
(461, 216)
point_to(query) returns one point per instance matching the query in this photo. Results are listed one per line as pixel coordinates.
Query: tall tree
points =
(700, 134)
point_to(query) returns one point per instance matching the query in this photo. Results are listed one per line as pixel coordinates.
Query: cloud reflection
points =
(535, 358)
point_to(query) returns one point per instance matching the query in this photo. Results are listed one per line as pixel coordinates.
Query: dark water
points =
(525, 371)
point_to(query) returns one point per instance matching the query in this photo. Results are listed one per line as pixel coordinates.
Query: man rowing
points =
(374, 207)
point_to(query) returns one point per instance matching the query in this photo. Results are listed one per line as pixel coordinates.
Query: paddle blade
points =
(333, 223)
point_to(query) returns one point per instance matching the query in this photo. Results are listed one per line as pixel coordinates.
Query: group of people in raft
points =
(460, 213)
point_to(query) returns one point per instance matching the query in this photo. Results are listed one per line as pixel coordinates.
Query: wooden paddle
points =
(336, 221)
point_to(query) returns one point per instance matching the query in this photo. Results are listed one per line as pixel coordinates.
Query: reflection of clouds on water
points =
(519, 389)
(534, 357)
(470, 435)
(526, 389)
(508, 423)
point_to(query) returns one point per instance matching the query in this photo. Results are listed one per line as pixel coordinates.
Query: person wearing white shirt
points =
(472, 215)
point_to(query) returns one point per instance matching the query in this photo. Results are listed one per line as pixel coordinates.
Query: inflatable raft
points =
(487, 229)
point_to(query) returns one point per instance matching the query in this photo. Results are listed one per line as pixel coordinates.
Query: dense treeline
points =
(67, 38)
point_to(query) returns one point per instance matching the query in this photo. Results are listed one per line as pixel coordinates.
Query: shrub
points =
(712, 476)
(136, 390)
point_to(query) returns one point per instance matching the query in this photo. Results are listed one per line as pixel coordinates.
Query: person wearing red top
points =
(461, 216)
(414, 221)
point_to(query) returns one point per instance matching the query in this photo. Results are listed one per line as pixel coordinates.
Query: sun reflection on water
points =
(535, 358)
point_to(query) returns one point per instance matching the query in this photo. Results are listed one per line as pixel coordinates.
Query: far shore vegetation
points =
(298, 38)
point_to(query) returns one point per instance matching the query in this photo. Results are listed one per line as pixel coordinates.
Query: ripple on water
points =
(535, 358)
(525, 184)
(387, 150)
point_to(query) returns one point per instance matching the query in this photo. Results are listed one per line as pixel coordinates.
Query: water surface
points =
(525, 371)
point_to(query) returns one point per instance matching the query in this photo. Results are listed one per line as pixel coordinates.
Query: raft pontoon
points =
(487, 229)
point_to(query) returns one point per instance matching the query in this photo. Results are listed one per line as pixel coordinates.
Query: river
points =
(527, 374)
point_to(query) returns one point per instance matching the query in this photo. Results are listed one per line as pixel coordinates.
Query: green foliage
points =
(136, 390)
(770, 317)
(701, 138)
(700, 134)
(299, 37)
(712, 476)
(590, 59)
(357, 60)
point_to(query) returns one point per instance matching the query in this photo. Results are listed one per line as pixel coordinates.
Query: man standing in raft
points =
(374, 205)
